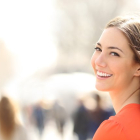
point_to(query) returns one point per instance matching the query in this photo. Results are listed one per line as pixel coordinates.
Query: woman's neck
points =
(121, 98)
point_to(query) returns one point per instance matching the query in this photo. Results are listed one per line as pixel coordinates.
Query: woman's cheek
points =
(93, 58)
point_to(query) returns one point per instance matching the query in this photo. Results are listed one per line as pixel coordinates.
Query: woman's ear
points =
(137, 73)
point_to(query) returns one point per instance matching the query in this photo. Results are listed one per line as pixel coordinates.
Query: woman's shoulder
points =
(123, 126)
(128, 115)
(110, 129)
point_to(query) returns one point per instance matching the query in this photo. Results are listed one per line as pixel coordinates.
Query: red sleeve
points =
(110, 130)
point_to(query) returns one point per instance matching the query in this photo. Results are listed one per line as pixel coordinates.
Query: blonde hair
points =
(7, 117)
(129, 25)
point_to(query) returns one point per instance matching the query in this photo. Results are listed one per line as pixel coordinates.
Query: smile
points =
(103, 74)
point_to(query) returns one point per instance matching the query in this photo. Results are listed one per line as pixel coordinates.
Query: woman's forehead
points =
(113, 36)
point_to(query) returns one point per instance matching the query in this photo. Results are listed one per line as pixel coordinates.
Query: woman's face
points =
(113, 61)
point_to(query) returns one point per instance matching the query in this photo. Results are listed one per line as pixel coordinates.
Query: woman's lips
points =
(103, 75)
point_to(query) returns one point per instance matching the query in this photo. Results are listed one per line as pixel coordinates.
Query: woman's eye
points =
(114, 54)
(97, 49)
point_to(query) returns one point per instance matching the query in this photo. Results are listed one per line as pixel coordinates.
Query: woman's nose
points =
(100, 60)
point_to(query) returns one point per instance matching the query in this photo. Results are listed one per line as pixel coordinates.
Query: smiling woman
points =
(113, 61)
(116, 64)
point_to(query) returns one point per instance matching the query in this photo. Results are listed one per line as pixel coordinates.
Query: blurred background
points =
(45, 52)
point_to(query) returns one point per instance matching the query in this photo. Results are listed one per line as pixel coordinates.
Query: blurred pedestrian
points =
(60, 116)
(97, 114)
(89, 115)
(81, 121)
(11, 127)
(38, 115)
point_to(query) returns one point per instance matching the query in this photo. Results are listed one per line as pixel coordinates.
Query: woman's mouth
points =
(103, 74)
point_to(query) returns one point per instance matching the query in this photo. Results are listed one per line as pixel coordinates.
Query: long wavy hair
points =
(7, 117)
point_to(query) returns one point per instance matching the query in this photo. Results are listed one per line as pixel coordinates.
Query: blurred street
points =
(51, 132)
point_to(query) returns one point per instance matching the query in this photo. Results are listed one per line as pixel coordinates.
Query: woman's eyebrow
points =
(111, 47)
(99, 44)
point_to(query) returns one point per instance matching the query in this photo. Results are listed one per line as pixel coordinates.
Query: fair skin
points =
(115, 69)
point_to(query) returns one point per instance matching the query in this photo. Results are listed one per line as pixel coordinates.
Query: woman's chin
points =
(101, 88)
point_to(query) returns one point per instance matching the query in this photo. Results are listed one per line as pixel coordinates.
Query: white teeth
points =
(103, 74)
